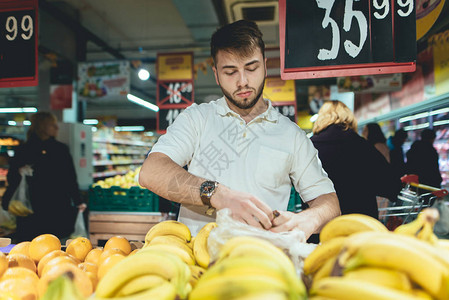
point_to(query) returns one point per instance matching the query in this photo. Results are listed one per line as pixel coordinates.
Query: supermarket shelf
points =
(122, 142)
(113, 163)
(108, 174)
(127, 152)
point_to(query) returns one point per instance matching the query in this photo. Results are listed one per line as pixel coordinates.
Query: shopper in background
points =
(422, 160)
(373, 133)
(397, 153)
(359, 172)
(53, 187)
(242, 142)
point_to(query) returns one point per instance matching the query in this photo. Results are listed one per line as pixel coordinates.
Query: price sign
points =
(288, 109)
(331, 38)
(174, 93)
(18, 43)
(166, 117)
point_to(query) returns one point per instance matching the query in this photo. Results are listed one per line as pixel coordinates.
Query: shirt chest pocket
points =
(272, 167)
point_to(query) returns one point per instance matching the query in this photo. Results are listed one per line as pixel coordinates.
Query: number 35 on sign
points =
(330, 38)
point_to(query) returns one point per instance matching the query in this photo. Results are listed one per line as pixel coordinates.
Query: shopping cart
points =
(413, 198)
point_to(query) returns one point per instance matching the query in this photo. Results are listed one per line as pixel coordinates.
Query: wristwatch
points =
(207, 189)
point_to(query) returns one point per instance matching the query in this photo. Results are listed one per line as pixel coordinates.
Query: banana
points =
(422, 226)
(164, 291)
(341, 288)
(145, 262)
(192, 241)
(169, 227)
(443, 244)
(326, 269)
(170, 240)
(265, 296)
(200, 250)
(385, 277)
(196, 272)
(390, 252)
(345, 225)
(185, 255)
(139, 284)
(321, 254)
(233, 286)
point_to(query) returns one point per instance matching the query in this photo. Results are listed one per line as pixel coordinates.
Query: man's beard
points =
(244, 104)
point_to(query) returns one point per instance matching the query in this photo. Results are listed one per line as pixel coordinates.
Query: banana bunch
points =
(249, 268)
(62, 288)
(17, 208)
(365, 261)
(148, 274)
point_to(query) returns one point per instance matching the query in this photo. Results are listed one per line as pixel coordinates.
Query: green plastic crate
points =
(120, 199)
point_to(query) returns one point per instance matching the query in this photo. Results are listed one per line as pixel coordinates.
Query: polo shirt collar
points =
(270, 114)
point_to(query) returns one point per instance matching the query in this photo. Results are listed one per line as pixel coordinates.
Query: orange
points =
(20, 260)
(49, 256)
(3, 263)
(106, 253)
(93, 256)
(43, 244)
(54, 262)
(119, 242)
(79, 278)
(93, 278)
(108, 263)
(88, 267)
(21, 248)
(21, 273)
(79, 248)
(17, 288)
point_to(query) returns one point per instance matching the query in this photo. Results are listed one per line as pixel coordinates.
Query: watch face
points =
(207, 187)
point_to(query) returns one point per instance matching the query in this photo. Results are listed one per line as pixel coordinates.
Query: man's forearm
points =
(323, 209)
(164, 177)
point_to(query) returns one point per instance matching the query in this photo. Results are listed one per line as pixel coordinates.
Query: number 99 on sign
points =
(26, 26)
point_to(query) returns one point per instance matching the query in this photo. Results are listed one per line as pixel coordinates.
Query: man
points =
(241, 153)
(422, 160)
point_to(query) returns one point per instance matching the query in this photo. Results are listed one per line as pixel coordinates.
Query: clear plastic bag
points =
(442, 225)
(293, 243)
(20, 204)
(7, 220)
(80, 227)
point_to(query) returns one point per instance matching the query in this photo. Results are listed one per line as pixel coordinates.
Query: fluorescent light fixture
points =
(94, 129)
(149, 133)
(439, 111)
(90, 121)
(12, 123)
(129, 128)
(27, 123)
(414, 127)
(143, 74)
(442, 122)
(414, 117)
(313, 118)
(142, 102)
(15, 110)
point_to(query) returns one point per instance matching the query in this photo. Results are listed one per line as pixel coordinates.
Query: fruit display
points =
(360, 259)
(357, 259)
(125, 181)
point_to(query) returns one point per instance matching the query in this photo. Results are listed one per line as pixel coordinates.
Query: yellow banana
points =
(169, 227)
(197, 272)
(200, 250)
(394, 253)
(385, 277)
(443, 244)
(265, 296)
(422, 226)
(139, 284)
(170, 240)
(164, 291)
(192, 241)
(346, 225)
(322, 253)
(181, 253)
(326, 269)
(144, 262)
(12, 209)
(232, 286)
(340, 288)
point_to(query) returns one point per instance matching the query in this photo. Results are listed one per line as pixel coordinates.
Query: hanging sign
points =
(282, 94)
(18, 43)
(175, 89)
(331, 38)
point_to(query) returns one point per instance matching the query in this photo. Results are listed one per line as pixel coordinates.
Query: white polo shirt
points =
(263, 158)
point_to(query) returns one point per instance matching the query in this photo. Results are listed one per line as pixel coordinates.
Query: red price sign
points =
(18, 43)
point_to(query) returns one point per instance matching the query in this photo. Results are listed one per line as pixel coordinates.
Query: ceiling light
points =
(129, 128)
(26, 123)
(142, 102)
(15, 110)
(143, 74)
(12, 123)
(90, 121)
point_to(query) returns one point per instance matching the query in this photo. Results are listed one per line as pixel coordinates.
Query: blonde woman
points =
(53, 187)
(359, 172)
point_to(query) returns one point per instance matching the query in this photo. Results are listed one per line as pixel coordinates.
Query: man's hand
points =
(288, 221)
(244, 207)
